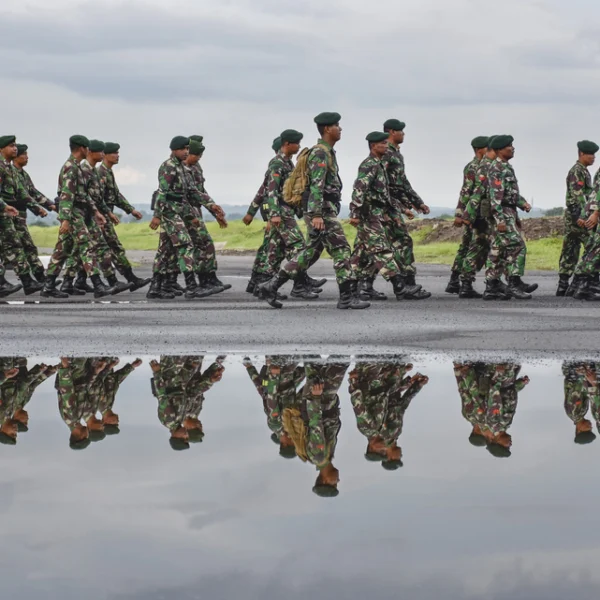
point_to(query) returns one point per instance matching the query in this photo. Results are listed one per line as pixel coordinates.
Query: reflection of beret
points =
(96, 146)
(394, 124)
(79, 445)
(197, 138)
(325, 491)
(196, 435)
(496, 449)
(376, 136)
(291, 135)
(477, 440)
(179, 142)
(7, 440)
(275, 438)
(328, 118)
(501, 141)
(588, 147)
(7, 140)
(585, 437)
(111, 147)
(112, 429)
(391, 465)
(178, 443)
(276, 144)
(21, 149)
(373, 457)
(287, 451)
(79, 140)
(480, 142)
(195, 147)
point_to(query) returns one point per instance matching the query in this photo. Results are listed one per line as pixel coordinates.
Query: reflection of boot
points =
(563, 285)
(453, 286)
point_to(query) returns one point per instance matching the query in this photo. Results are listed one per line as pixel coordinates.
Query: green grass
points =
(541, 254)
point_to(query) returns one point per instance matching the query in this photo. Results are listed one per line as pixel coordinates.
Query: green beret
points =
(22, 428)
(202, 147)
(276, 144)
(585, 437)
(373, 457)
(392, 465)
(97, 436)
(179, 142)
(376, 136)
(501, 141)
(79, 140)
(394, 124)
(275, 438)
(325, 491)
(480, 142)
(7, 440)
(7, 140)
(287, 451)
(196, 436)
(195, 147)
(80, 444)
(111, 147)
(290, 135)
(477, 440)
(112, 430)
(588, 147)
(177, 443)
(197, 138)
(21, 149)
(328, 118)
(491, 140)
(96, 146)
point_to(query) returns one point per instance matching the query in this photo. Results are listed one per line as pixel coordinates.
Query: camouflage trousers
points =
(503, 398)
(11, 246)
(175, 245)
(31, 251)
(285, 241)
(261, 258)
(99, 248)
(508, 252)
(477, 252)
(76, 243)
(372, 252)
(574, 238)
(332, 239)
(589, 264)
(119, 256)
(461, 253)
(579, 392)
(205, 255)
(402, 246)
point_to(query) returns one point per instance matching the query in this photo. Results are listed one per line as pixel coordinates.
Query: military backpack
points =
(296, 185)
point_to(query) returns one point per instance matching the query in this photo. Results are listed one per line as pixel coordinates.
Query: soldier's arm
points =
(575, 194)
(167, 175)
(415, 200)
(67, 192)
(122, 374)
(496, 192)
(273, 187)
(122, 203)
(317, 174)
(364, 180)
(466, 191)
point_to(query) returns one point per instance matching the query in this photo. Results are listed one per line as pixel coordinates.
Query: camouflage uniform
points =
(508, 250)
(579, 188)
(76, 208)
(580, 392)
(324, 197)
(589, 264)
(474, 382)
(370, 200)
(503, 397)
(111, 383)
(75, 405)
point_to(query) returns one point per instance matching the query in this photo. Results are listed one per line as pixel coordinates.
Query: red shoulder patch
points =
(580, 183)
(497, 182)
(322, 165)
(482, 178)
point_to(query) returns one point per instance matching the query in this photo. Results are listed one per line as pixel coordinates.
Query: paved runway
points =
(235, 321)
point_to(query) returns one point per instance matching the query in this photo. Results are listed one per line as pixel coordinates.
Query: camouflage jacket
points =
(280, 168)
(112, 382)
(468, 187)
(503, 190)
(371, 192)
(579, 189)
(503, 397)
(400, 189)
(175, 194)
(72, 190)
(13, 191)
(93, 187)
(110, 190)
(72, 383)
(325, 185)
(202, 199)
(480, 191)
(33, 192)
(581, 390)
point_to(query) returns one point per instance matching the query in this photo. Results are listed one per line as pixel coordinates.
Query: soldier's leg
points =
(119, 256)
(31, 251)
(463, 249)
(569, 256)
(206, 248)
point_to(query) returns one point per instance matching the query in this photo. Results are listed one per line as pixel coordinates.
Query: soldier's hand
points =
(196, 222)
(43, 213)
(592, 221)
(527, 207)
(354, 222)
(11, 373)
(154, 366)
(425, 209)
(155, 223)
(52, 208)
(217, 375)
(114, 218)
(317, 389)
(268, 227)
(502, 227)
(99, 218)
(581, 223)
(410, 215)
(318, 223)
(458, 222)
(222, 221)
(275, 370)
(247, 219)
(217, 211)
(65, 227)
(11, 211)
(275, 221)
(136, 214)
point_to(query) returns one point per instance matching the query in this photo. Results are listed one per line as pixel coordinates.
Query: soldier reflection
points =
(179, 385)
(381, 392)
(581, 392)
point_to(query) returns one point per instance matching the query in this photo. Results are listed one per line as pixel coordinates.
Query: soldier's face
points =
(95, 156)
(112, 158)
(398, 137)
(379, 149)
(182, 154)
(192, 159)
(335, 131)
(588, 159)
(293, 148)
(9, 152)
(22, 160)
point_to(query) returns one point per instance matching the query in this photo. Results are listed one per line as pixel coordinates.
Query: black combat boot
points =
(514, 285)
(6, 288)
(302, 289)
(100, 288)
(191, 285)
(316, 283)
(563, 285)
(504, 289)
(453, 286)
(467, 291)
(493, 291)
(251, 283)
(268, 290)
(368, 292)
(528, 288)
(81, 283)
(135, 281)
(68, 288)
(49, 290)
(214, 280)
(595, 284)
(168, 284)
(39, 274)
(349, 297)
(116, 285)
(399, 286)
(156, 292)
(205, 289)
(29, 285)
(260, 279)
(211, 283)
(420, 294)
(583, 291)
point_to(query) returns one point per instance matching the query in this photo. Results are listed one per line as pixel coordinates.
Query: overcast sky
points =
(240, 71)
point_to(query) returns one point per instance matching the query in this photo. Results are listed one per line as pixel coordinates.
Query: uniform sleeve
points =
(366, 175)
(3, 205)
(274, 185)
(68, 189)
(122, 203)
(167, 176)
(576, 189)
(467, 190)
(497, 191)
(317, 173)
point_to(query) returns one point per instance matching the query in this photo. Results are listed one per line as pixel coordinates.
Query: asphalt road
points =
(236, 322)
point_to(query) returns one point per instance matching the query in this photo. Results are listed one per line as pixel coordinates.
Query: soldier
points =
(581, 391)
(323, 198)
(474, 381)
(9, 426)
(75, 207)
(14, 194)
(579, 189)
(113, 197)
(6, 288)
(172, 207)
(207, 257)
(45, 205)
(404, 196)
(370, 201)
(508, 250)
(479, 145)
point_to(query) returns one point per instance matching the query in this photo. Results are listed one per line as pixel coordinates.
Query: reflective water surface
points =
(298, 476)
